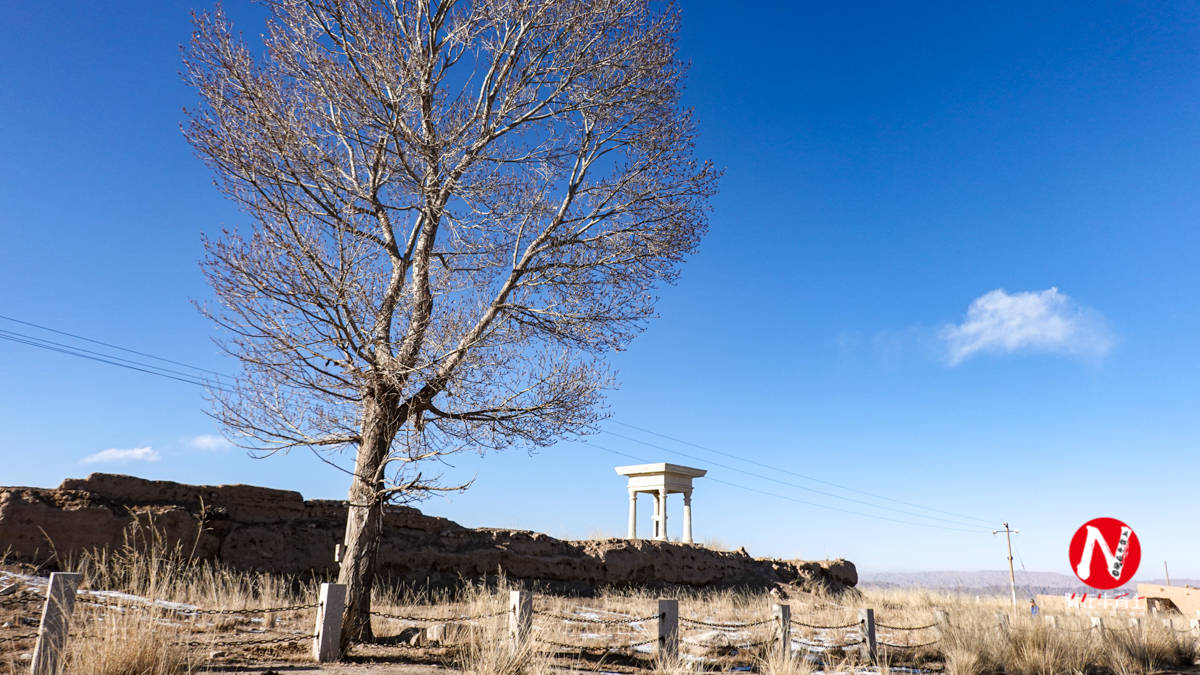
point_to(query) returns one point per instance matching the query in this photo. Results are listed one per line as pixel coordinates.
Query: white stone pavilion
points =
(661, 480)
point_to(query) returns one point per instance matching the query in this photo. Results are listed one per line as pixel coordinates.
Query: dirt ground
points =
(358, 669)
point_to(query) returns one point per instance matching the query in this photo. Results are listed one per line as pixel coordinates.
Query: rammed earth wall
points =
(262, 529)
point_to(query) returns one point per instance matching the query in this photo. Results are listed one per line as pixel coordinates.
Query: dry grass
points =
(130, 644)
(147, 642)
(493, 654)
(973, 643)
(715, 544)
(148, 566)
(775, 662)
(139, 638)
(677, 664)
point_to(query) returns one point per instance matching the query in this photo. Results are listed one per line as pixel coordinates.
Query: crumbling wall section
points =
(263, 529)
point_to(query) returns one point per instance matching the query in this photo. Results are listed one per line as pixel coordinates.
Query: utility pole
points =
(1166, 573)
(1012, 576)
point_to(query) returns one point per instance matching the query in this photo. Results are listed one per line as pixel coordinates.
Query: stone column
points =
(687, 517)
(632, 514)
(662, 516)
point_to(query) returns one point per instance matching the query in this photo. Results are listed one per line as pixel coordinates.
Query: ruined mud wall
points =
(262, 529)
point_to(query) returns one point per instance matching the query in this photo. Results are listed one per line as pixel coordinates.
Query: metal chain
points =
(277, 610)
(852, 643)
(87, 601)
(839, 627)
(20, 599)
(28, 621)
(197, 611)
(1077, 630)
(760, 643)
(119, 605)
(714, 624)
(22, 636)
(292, 637)
(841, 646)
(563, 645)
(884, 625)
(295, 637)
(602, 622)
(747, 645)
(435, 619)
(222, 612)
(923, 644)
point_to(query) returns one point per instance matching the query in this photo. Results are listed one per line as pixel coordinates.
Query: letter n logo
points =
(1105, 553)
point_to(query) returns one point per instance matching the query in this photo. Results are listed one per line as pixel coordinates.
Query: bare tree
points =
(457, 208)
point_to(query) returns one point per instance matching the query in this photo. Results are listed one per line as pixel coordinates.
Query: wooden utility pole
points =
(1166, 573)
(1012, 576)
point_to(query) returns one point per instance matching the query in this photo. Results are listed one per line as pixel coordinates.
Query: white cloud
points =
(146, 454)
(1043, 321)
(209, 442)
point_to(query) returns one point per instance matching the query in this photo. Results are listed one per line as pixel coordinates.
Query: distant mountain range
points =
(995, 582)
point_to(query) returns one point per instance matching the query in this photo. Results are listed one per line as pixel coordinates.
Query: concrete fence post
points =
(668, 628)
(1135, 622)
(520, 616)
(327, 645)
(1051, 621)
(942, 618)
(56, 623)
(867, 618)
(1194, 624)
(783, 623)
(1002, 621)
(1098, 624)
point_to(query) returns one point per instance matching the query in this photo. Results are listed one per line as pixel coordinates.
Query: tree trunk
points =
(364, 520)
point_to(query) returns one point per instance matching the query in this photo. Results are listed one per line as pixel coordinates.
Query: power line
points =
(62, 345)
(793, 499)
(110, 345)
(793, 473)
(1026, 586)
(104, 358)
(789, 484)
(957, 523)
(110, 359)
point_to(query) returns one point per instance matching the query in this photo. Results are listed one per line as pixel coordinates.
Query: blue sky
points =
(952, 262)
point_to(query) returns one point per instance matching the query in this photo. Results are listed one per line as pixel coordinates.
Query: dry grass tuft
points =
(495, 654)
(679, 664)
(976, 645)
(963, 661)
(129, 644)
(774, 662)
(147, 565)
